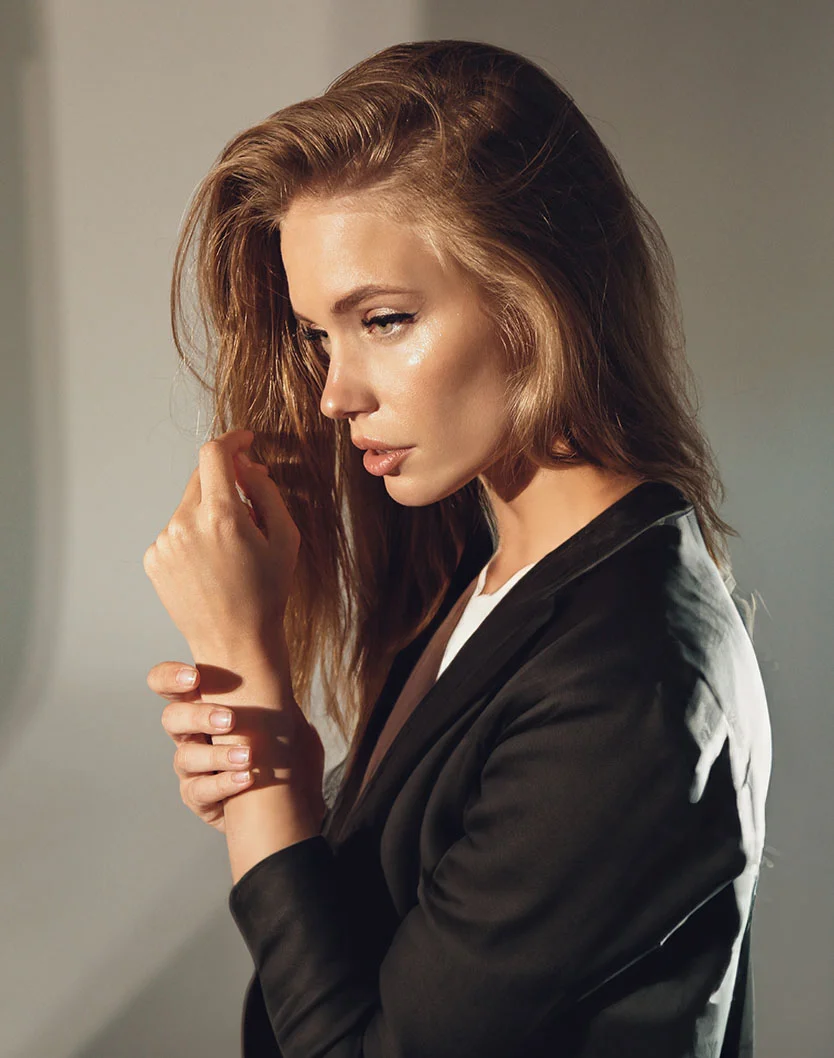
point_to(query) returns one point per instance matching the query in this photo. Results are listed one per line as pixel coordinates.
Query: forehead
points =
(333, 230)
(332, 246)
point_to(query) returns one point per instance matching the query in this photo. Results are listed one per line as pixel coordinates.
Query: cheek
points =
(470, 395)
(453, 393)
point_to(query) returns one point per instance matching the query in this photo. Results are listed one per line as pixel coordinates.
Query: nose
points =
(345, 394)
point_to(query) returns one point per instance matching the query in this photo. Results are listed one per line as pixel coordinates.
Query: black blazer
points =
(559, 852)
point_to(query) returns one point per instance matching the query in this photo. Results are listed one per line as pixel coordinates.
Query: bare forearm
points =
(275, 811)
(264, 819)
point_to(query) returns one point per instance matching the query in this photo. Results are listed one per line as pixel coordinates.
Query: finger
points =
(200, 758)
(241, 465)
(173, 679)
(205, 790)
(181, 719)
(217, 468)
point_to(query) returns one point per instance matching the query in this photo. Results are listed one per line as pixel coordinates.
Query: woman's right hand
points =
(207, 775)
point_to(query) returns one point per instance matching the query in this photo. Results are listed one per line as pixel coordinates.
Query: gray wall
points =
(116, 939)
(116, 936)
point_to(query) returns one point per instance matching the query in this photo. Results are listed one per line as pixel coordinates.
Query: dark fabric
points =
(557, 854)
(420, 679)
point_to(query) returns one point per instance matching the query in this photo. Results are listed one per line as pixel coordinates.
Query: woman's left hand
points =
(223, 580)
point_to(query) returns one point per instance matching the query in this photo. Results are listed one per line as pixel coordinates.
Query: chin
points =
(409, 494)
(411, 491)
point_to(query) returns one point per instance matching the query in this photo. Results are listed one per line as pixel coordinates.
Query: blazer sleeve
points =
(593, 834)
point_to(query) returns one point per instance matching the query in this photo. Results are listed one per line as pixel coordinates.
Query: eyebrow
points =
(352, 299)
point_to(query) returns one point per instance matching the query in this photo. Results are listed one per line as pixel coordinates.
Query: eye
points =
(388, 319)
(311, 335)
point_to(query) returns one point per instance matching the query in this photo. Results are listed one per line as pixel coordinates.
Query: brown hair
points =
(512, 182)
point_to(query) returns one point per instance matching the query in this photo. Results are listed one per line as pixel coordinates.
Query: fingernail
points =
(240, 776)
(244, 459)
(186, 677)
(220, 718)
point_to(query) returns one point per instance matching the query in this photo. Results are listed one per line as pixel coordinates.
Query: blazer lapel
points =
(489, 649)
(477, 551)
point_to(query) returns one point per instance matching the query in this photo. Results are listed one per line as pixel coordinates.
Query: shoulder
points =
(661, 591)
(653, 620)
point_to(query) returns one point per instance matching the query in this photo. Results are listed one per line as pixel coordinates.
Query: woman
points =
(546, 835)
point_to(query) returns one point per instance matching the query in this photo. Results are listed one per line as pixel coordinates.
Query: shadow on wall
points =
(29, 381)
(170, 999)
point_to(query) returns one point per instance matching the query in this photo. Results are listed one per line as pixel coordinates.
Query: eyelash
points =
(389, 317)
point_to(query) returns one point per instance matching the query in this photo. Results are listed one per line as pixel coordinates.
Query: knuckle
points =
(219, 517)
(167, 718)
(194, 796)
(178, 529)
(213, 790)
(190, 793)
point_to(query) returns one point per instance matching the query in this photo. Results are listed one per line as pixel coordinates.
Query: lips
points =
(373, 444)
(383, 462)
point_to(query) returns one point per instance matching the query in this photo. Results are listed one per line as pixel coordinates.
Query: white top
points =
(475, 611)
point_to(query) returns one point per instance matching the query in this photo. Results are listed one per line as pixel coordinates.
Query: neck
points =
(536, 515)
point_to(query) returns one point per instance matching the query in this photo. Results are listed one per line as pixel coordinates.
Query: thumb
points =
(265, 497)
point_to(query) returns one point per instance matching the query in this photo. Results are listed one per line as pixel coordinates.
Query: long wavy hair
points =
(490, 157)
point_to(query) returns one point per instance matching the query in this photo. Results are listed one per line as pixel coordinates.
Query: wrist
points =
(255, 674)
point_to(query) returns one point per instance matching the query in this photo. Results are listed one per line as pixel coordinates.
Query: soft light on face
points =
(420, 367)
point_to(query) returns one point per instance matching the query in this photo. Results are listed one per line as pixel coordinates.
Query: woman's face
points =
(415, 363)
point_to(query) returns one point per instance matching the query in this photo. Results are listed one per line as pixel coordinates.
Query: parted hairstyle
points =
(484, 152)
